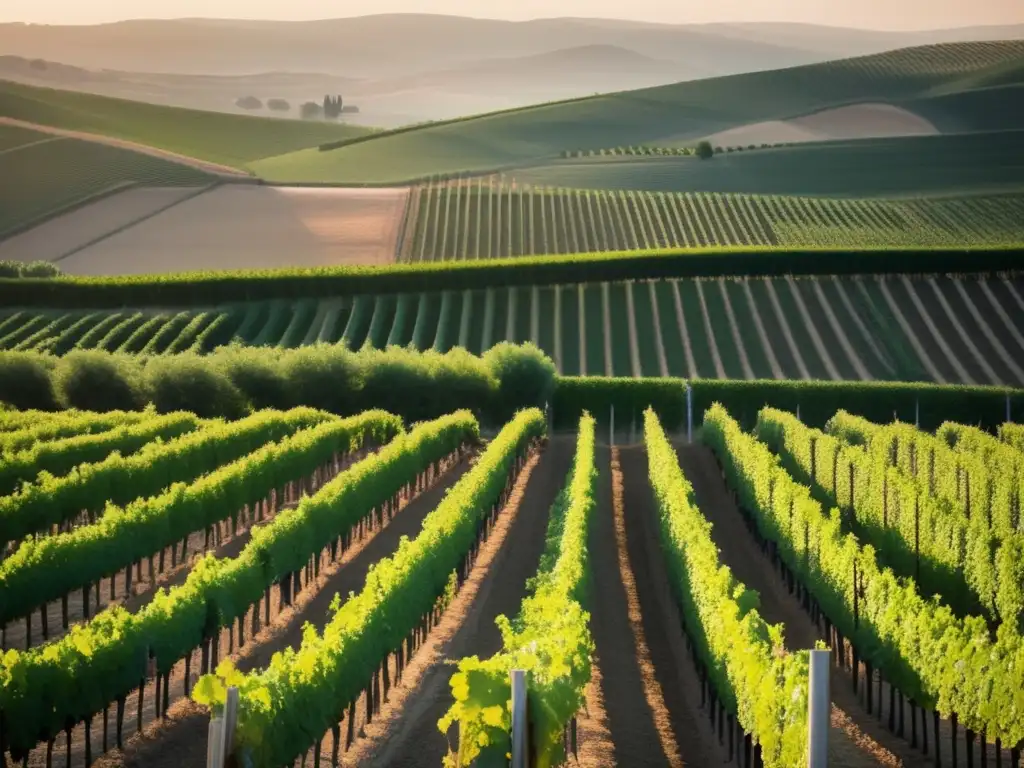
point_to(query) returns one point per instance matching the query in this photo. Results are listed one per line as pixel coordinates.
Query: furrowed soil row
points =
(407, 734)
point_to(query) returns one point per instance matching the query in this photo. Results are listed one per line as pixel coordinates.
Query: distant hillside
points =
(206, 92)
(408, 68)
(232, 140)
(391, 45)
(672, 115)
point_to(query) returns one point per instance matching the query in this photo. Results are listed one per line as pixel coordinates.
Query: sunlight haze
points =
(870, 14)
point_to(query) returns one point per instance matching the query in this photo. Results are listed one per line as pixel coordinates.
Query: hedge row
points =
(191, 288)
(817, 401)
(234, 380)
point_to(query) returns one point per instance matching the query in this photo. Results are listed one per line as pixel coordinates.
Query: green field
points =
(942, 329)
(917, 165)
(56, 173)
(672, 115)
(233, 140)
(474, 219)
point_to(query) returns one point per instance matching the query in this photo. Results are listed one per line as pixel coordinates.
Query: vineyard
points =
(942, 329)
(475, 219)
(192, 552)
(965, 163)
(595, 472)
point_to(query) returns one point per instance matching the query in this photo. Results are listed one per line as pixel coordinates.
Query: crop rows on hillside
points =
(312, 488)
(476, 220)
(943, 329)
(53, 175)
(938, 653)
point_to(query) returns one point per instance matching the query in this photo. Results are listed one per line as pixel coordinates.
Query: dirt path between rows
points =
(410, 738)
(856, 739)
(164, 154)
(653, 691)
(180, 740)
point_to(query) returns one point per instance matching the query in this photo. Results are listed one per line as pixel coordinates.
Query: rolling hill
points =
(671, 115)
(232, 140)
(55, 174)
(355, 47)
(915, 165)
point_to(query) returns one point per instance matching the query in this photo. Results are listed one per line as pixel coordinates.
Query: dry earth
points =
(857, 121)
(58, 237)
(251, 227)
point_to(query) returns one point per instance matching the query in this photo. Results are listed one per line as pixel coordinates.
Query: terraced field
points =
(479, 219)
(54, 174)
(943, 329)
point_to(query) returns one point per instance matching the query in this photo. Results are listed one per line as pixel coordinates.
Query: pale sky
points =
(869, 14)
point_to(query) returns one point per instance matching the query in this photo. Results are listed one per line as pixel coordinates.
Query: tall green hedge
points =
(218, 287)
(417, 386)
(631, 397)
(878, 401)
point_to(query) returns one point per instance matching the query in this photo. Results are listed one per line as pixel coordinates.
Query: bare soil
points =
(254, 227)
(409, 736)
(651, 689)
(56, 237)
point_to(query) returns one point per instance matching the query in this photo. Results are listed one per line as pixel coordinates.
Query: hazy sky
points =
(873, 14)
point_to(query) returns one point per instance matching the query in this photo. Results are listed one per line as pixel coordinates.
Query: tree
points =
(278, 105)
(333, 106)
(705, 151)
(311, 111)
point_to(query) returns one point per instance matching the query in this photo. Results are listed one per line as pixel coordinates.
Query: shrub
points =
(249, 102)
(425, 385)
(15, 269)
(526, 378)
(188, 383)
(704, 150)
(26, 381)
(256, 373)
(91, 380)
(311, 111)
(322, 376)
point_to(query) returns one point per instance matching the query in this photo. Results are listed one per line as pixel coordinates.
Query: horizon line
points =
(732, 22)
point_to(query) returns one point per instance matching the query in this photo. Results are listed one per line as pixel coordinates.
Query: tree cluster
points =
(333, 106)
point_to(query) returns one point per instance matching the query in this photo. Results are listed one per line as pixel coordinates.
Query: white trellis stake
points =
(520, 741)
(818, 710)
(221, 733)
